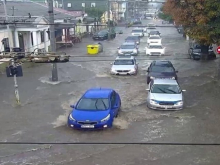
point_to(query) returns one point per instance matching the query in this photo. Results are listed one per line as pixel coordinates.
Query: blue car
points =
(96, 109)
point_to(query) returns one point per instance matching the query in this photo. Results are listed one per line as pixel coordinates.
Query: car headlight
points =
(119, 51)
(132, 70)
(153, 101)
(106, 118)
(152, 77)
(173, 78)
(179, 103)
(71, 117)
(135, 50)
(112, 70)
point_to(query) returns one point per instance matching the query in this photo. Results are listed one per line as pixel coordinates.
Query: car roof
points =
(125, 58)
(129, 43)
(165, 81)
(161, 62)
(98, 93)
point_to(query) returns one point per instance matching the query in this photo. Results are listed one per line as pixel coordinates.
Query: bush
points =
(165, 17)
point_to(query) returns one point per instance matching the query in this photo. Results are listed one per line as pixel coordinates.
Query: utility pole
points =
(52, 38)
(12, 61)
(109, 28)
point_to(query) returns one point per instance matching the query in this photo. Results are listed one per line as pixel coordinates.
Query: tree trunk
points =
(204, 52)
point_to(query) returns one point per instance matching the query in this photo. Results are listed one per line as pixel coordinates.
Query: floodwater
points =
(43, 114)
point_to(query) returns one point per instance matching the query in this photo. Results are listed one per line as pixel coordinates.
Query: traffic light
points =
(11, 71)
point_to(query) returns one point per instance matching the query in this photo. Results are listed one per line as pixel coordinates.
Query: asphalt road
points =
(45, 105)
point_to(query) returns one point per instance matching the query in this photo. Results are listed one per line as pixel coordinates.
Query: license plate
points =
(87, 126)
(127, 54)
(167, 107)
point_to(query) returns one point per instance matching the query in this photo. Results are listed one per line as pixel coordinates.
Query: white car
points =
(137, 32)
(124, 65)
(153, 49)
(165, 94)
(154, 40)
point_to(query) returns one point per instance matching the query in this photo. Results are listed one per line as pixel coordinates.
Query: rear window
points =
(162, 69)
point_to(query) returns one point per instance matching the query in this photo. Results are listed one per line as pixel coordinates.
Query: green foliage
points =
(166, 17)
(201, 18)
(94, 12)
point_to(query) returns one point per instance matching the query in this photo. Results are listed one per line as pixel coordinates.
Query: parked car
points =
(103, 35)
(96, 109)
(154, 33)
(128, 48)
(124, 65)
(155, 49)
(135, 39)
(137, 32)
(165, 94)
(154, 40)
(161, 69)
(195, 51)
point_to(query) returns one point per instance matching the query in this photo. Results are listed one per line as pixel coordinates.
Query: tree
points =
(199, 18)
(95, 12)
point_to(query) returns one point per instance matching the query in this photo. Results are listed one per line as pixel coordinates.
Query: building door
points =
(21, 41)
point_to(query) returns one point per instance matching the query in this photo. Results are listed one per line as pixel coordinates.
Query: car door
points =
(114, 104)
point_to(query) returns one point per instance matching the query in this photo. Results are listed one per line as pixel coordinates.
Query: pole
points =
(127, 11)
(109, 28)
(15, 84)
(52, 38)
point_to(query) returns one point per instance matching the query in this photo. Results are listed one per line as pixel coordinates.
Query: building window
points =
(42, 36)
(92, 4)
(32, 40)
(69, 5)
(83, 4)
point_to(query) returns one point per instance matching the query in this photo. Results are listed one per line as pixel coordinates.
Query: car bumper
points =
(165, 107)
(155, 53)
(128, 54)
(123, 73)
(98, 38)
(103, 125)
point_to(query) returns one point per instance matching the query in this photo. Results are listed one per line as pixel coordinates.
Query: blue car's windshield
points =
(168, 89)
(162, 69)
(93, 104)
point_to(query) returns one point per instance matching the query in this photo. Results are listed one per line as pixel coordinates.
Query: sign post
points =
(218, 51)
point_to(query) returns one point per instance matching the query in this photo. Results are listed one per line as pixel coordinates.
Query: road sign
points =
(218, 49)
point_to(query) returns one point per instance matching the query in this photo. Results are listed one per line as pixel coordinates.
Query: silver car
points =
(165, 94)
(124, 65)
(128, 48)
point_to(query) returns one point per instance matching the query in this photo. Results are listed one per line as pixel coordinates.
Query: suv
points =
(124, 65)
(195, 51)
(137, 32)
(161, 70)
(103, 35)
(128, 48)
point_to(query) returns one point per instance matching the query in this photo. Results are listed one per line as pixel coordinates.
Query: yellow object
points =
(92, 49)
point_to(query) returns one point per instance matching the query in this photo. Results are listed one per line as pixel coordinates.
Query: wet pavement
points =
(43, 114)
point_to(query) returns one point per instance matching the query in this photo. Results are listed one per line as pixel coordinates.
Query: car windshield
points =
(102, 33)
(151, 28)
(124, 62)
(162, 69)
(93, 104)
(154, 32)
(164, 88)
(132, 38)
(127, 46)
(137, 31)
(154, 37)
(155, 47)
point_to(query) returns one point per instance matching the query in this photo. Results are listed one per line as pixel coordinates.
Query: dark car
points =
(135, 39)
(154, 33)
(103, 35)
(161, 70)
(195, 51)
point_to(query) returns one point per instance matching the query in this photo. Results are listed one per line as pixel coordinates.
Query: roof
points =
(125, 57)
(35, 9)
(165, 81)
(98, 93)
(161, 62)
(129, 43)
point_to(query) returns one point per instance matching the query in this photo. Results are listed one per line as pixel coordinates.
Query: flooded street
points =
(43, 114)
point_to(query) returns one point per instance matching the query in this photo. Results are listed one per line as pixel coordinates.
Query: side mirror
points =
(72, 106)
(183, 90)
(147, 89)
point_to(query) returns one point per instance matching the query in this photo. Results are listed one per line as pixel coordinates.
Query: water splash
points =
(120, 123)
(62, 119)
(47, 80)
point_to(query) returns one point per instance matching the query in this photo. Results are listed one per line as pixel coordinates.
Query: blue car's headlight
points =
(179, 103)
(71, 117)
(106, 118)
